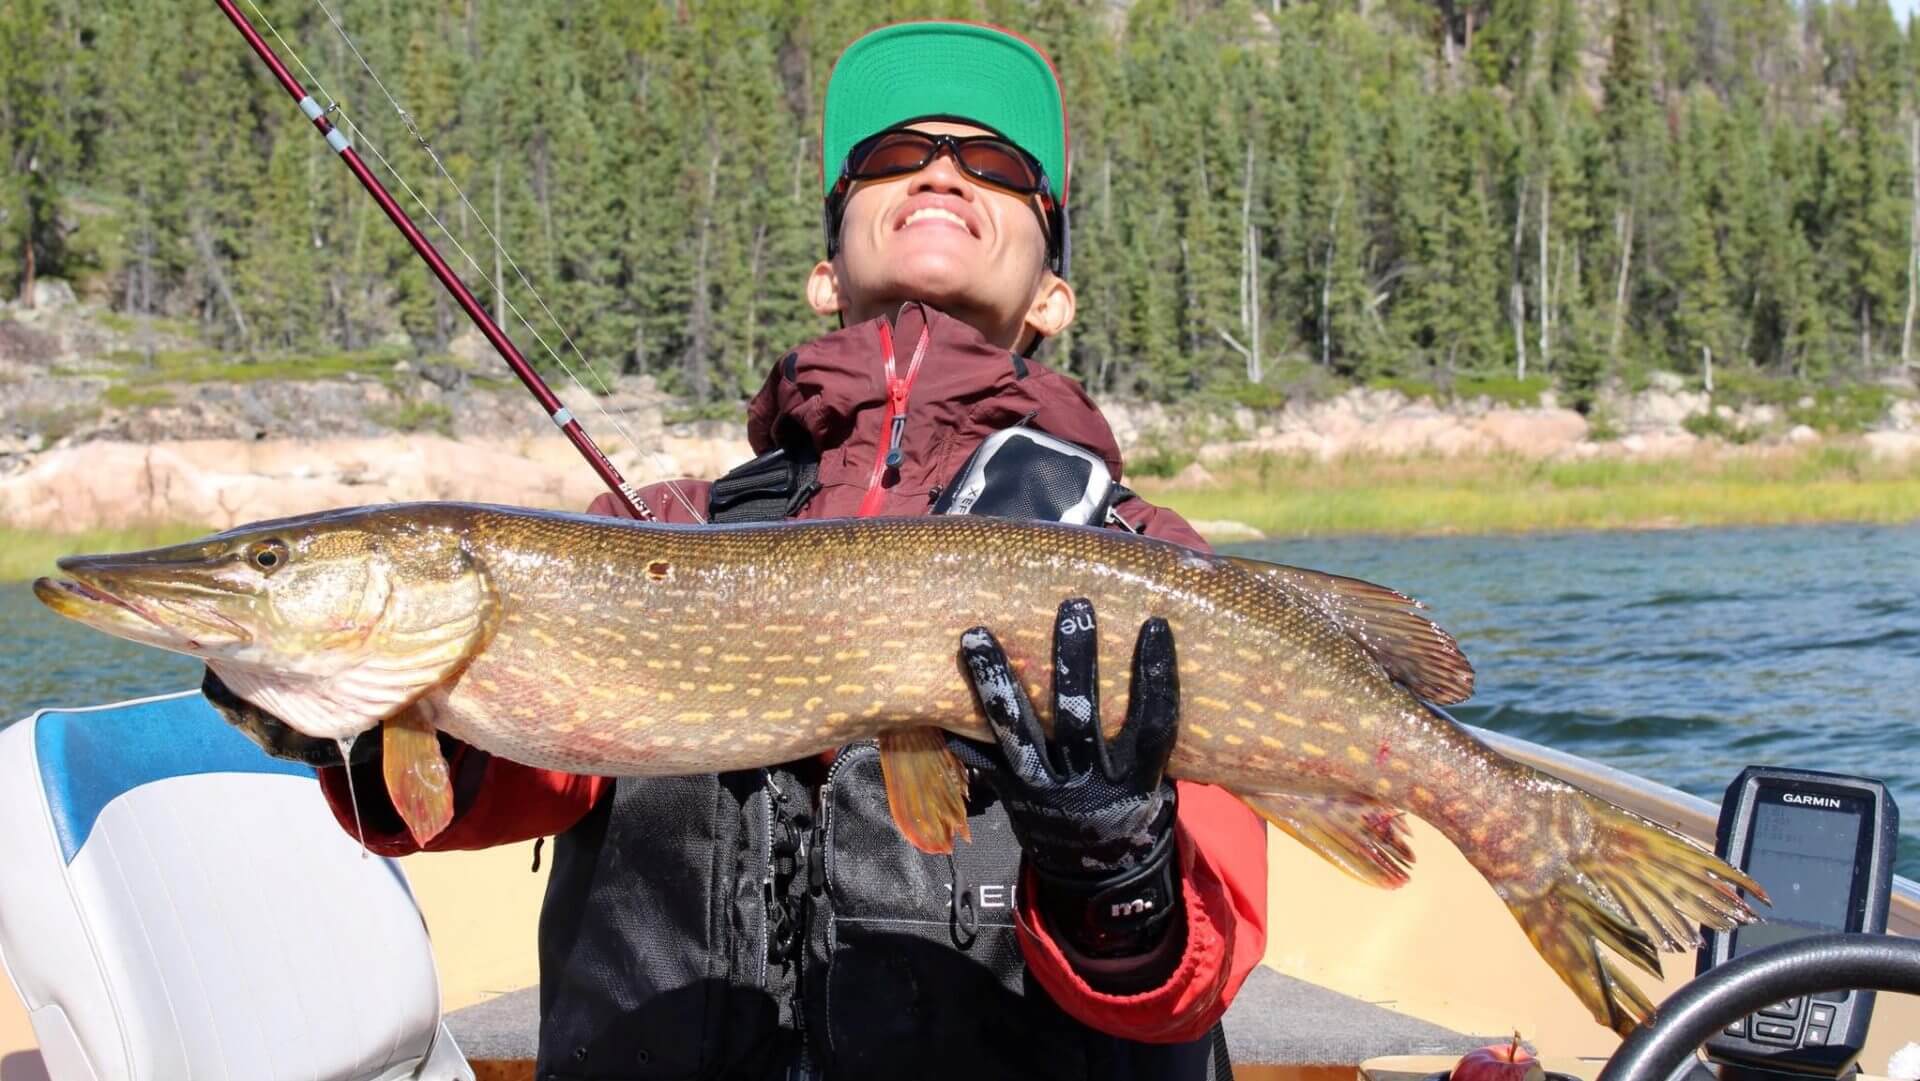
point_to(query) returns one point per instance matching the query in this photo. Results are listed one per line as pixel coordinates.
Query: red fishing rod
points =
(560, 414)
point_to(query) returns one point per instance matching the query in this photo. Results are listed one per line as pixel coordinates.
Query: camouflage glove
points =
(1094, 816)
(274, 735)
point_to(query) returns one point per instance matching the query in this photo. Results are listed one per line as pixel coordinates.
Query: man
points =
(773, 923)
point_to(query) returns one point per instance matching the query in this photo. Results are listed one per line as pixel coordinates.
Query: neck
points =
(1008, 334)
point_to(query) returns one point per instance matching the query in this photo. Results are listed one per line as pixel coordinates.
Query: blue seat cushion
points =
(89, 756)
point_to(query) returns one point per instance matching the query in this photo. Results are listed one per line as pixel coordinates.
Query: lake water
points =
(1679, 656)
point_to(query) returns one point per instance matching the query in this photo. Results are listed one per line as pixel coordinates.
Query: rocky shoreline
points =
(80, 450)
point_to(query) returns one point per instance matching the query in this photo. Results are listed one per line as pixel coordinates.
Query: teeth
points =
(935, 212)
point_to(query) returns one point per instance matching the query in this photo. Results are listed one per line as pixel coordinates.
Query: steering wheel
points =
(1802, 966)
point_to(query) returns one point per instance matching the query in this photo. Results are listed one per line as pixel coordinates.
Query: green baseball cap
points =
(965, 71)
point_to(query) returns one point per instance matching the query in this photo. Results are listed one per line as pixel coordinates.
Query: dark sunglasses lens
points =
(898, 152)
(1000, 164)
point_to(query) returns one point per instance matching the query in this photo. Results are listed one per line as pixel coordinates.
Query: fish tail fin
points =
(1633, 886)
(1358, 834)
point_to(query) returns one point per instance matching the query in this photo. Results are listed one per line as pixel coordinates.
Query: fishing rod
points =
(561, 416)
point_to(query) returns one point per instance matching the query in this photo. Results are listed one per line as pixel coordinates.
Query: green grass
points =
(417, 417)
(209, 366)
(29, 553)
(121, 396)
(1303, 497)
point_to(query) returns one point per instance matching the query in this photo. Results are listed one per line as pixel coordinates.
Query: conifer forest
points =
(1561, 191)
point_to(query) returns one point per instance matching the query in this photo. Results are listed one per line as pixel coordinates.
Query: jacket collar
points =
(823, 390)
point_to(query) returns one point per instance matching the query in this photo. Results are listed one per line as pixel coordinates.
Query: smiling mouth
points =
(936, 215)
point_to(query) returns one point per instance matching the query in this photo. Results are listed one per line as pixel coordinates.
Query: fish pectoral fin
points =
(1358, 834)
(418, 780)
(926, 788)
(1384, 622)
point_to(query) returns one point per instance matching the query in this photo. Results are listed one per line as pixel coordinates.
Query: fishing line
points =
(406, 118)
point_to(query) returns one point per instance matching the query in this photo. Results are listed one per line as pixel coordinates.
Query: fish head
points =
(331, 622)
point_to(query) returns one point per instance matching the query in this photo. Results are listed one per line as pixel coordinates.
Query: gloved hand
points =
(275, 736)
(1094, 817)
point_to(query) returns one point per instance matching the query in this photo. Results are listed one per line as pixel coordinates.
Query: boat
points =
(173, 896)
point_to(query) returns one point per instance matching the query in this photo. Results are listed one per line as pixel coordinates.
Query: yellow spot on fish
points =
(791, 681)
(873, 710)
(850, 655)
(704, 651)
(944, 705)
(813, 703)
(850, 688)
(585, 658)
(1368, 720)
(601, 692)
(487, 685)
(719, 688)
(1399, 765)
(516, 618)
(545, 639)
(1422, 795)
(888, 668)
(838, 717)
(823, 678)
(609, 632)
(910, 690)
(776, 715)
(504, 641)
(1234, 678)
(618, 662)
(734, 658)
(1210, 703)
(1271, 742)
(692, 716)
(1383, 786)
(737, 714)
(812, 658)
(1332, 727)
(656, 664)
(666, 696)
(822, 639)
(1355, 754)
(1200, 730)
(779, 658)
(1234, 739)
(1253, 707)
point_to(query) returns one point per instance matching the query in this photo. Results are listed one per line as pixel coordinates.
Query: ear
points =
(1053, 307)
(823, 289)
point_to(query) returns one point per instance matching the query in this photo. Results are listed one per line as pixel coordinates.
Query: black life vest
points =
(754, 925)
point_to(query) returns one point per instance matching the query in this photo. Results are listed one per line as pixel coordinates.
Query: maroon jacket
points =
(834, 393)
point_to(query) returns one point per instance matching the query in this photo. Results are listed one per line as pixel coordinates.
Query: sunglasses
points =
(983, 157)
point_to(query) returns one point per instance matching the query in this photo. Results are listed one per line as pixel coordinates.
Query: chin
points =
(938, 281)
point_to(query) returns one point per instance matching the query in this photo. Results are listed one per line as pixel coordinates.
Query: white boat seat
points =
(175, 904)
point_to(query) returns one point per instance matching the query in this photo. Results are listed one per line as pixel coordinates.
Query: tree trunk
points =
(1623, 225)
(1326, 283)
(1517, 296)
(26, 277)
(499, 248)
(1546, 306)
(203, 242)
(1913, 238)
(700, 318)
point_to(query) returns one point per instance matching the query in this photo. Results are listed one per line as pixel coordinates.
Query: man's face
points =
(973, 250)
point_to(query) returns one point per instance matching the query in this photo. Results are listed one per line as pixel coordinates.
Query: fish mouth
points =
(77, 599)
(174, 623)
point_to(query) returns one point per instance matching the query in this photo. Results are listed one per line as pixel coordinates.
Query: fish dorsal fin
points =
(1385, 623)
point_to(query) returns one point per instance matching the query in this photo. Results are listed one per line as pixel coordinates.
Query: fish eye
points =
(268, 555)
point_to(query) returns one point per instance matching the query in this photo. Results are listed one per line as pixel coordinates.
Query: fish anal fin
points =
(926, 788)
(1358, 834)
(1385, 623)
(418, 780)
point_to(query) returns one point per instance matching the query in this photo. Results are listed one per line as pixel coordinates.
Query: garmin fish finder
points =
(1822, 846)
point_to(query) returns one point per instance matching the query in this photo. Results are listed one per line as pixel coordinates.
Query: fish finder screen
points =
(1804, 855)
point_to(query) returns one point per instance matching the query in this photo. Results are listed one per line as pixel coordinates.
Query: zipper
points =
(894, 421)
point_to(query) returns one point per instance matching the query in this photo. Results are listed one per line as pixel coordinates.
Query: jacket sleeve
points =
(1222, 848)
(496, 801)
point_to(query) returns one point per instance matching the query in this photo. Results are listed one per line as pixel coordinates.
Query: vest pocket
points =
(899, 983)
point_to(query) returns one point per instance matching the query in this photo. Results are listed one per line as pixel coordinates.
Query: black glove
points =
(1094, 817)
(274, 735)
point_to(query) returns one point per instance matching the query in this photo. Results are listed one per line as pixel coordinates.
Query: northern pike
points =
(601, 646)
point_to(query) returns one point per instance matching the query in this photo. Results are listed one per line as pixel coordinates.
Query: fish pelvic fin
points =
(1635, 887)
(1358, 834)
(926, 788)
(418, 780)
(1384, 622)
